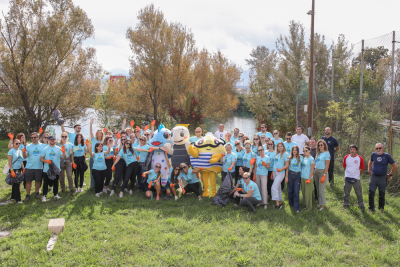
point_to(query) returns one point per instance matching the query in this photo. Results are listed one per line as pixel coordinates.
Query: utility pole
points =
(311, 85)
(361, 94)
(333, 67)
(391, 96)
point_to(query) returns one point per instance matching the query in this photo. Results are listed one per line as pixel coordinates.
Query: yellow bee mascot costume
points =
(206, 154)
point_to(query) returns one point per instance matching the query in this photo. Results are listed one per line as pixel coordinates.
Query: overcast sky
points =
(236, 27)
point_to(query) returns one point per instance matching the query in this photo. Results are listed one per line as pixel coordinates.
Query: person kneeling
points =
(193, 184)
(252, 197)
(153, 181)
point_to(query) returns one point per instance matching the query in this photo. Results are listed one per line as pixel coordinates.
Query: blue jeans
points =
(293, 189)
(92, 181)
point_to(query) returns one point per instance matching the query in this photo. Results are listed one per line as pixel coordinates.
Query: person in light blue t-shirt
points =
(189, 175)
(264, 131)
(79, 165)
(271, 153)
(228, 162)
(281, 164)
(276, 137)
(307, 181)
(251, 196)
(289, 143)
(15, 164)
(239, 152)
(293, 177)
(99, 165)
(256, 144)
(198, 131)
(322, 161)
(261, 167)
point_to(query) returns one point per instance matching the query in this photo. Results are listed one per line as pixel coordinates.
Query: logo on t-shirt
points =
(379, 159)
(52, 155)
(356, 161)
(99, 159)
(36, 152)
(129, 155)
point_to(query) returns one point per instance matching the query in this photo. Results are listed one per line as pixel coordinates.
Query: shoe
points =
(158, 197)
(200, 199)
(265, 207)
(27, 198)
(20, 202)
(371, 210)
(277, 207)
(84, 184)
(126, 189)
(81, 189)
(280, 207)
(77, 190)
(176, 197)
(57, 196)
(104, 191)
(44, 199)
(112, 193)
(121, 194)
(321, 209)
(37, 195)
(97, 195)
(130, 192)
(253, 210)
(297, 211)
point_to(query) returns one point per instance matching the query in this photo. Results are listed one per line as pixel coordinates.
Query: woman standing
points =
(239, 152)
(79, 165)
(141, 155)
(66, 164)
(228, 162)
(45, 139)
(307, 181)
(99, 165)
(293, 177)
(108, 145)
(193, 184)
(321, 172)
(248, 156)
(15, 163)
(281, 164)
(22, 139)
(256, 144)
(98, 138)
(271, 153)
(261, 170)
(276, 138)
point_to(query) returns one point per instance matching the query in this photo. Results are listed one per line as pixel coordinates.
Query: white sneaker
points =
(112, 193)
(104, 190)
(176, 197)
(97, 195)
(77, 190)
(57, 196)
(121, 194)
(126, 189)
(81, 189)
(265, 207)
(130, 192)
(44, 199)
(84, 184)
(20, 202)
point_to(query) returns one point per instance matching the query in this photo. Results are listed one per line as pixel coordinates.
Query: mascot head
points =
(209, 143)
(161, 136)
(179, 135)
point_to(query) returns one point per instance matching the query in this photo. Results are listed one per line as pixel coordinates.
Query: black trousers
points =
(99, 177)
(109, 163)
(237, 176)
(47, 182)
(330, 171)
(15, 191)
(249, 202)
(79, 171)
(269, 183)
(120, 169)
(193, 188)
(131, 172)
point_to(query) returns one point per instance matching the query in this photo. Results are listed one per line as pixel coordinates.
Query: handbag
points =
(6, 168)
(351, 180)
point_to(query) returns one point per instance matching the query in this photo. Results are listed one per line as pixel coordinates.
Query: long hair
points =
(96, 146)
(240, 146)
(19, 138)
(298, 153)
(76, 140)
(283, 151)
(174, 177)
(61, 140)
(259, 141)
(106, 139)
(325, 146)
(130, 147)
(42, 138)
(102, 135)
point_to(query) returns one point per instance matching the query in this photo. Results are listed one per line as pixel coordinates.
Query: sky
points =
(235, 27)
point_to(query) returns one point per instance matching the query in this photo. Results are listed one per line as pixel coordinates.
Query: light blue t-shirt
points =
(142, 155)
(247, 157)
(152, 176)
(233, 139)
(254, 149)
(227, 162)
(294, 165)
(289, 146)
(111, 154)
(261, 169)
(306, 167)
(267, 134)
(277, 141)
(320, 161)
(271, 155)
(252, 186)
(99, 162)
(71, 137)
(128, 156)
(51, 153)
(230, 142)
(194, 139)
(94, 142)
(79, 150)
(68, 146)
(190, 178)
(21, 146)
(16, 158)
(33, 159)
(239, 157)
(279, 162)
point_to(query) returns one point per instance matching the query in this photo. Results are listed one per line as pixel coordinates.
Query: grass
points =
(136, 231)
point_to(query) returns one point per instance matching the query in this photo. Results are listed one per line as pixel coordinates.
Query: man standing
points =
(51, 154)
(198, 131)
(353, 165)
(220, 134)
(288, 143)
(301, 139)
(71, 136)
(264, 131)
(228, 139)
(379, 176)
(33, 169)
(235, 135)
(333, 146)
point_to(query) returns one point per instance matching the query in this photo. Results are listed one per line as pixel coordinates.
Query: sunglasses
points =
(270, 144)
(241, 136)
(246, 178)
(237, 144)
(378, 148)
(109, 140)
(17, 143)
(64, 136)
(142, 139)
(256, 139)
(288, 138)
(260, 150)
(115, 133)
(275, 133)
(321, 145)
(183, 167)
(45, 138)
(33, 137)
(263, 127)
(127, 143)
(158, 167)
(123, 139)
(198, 132)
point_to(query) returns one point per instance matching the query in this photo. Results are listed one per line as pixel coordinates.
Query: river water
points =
(242, 120)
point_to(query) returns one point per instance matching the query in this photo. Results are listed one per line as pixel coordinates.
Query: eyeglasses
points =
(33, 137)
(236, 132)
(115, 133)
(237, 144)
(305, 150)
(378, 148)
(45, 138)
(158, 167)
(142, 139)
(123, 139)
(260, 150)
(197, 131)
(62, 137)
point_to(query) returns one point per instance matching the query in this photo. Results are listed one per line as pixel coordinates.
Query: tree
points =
(372, 56)
(44, 66)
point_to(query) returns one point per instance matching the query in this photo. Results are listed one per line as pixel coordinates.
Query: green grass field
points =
(135, 231)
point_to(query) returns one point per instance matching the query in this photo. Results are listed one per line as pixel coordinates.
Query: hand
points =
(74, 165)
(62, 149)
(11, 136)
(264, 164)
(272, 176)
(236, 193)
(23, 171)
(132, 123)
(172, 185)
(105, 130)
(24, 150)
(223, 155)
(116, 151)
(150, 184)
(146, 128)
(153, 123)
(87, 142)
(201, 168)
(389, 177)
(183, 191)
(137, 158)
(13, 174)
(40, 130)
(166, 154)
(138, 128)
(110, 157)
(91, 121)
(151, 149)
(278, 170)
(229, 169)
(48, 161)
(370, 172)
(287, 180)
(252, 161)
(114, 158)
(124, 121)
(143, 175)
(119, 135)
(308, 181)
(113, 168)
(323, 179)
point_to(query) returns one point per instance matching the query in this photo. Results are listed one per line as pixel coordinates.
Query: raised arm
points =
(91, 128)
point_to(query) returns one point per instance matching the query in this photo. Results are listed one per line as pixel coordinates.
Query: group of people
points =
(260, 168)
